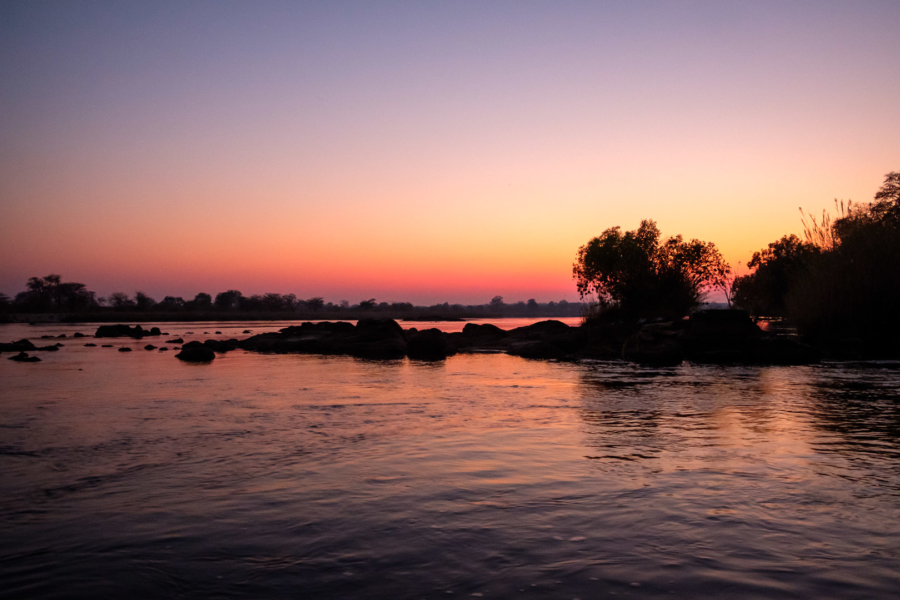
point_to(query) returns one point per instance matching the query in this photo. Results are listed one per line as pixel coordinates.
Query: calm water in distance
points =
(486, 476)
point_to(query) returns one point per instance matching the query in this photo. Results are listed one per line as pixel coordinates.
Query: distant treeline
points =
(52, 295)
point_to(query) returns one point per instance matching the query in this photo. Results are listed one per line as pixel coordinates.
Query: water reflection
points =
(286, 476)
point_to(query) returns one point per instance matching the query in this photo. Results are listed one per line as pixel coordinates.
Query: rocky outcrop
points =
(23, 357)
(20, 346)
(26, 346)
(369, 338)
(722, 337)
(136, 332)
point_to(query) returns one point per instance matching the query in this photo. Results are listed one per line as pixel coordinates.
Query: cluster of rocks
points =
(27, 346)
(714, 336)
(137, 332)
(711, 336)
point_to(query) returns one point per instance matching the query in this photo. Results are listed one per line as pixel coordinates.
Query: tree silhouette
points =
(228, 300)
(636, 272)
(120, 300)
(202, 300)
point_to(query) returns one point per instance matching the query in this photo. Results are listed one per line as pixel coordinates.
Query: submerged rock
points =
(23, 357)
(175, 341)
(149, 347)
(123, 349)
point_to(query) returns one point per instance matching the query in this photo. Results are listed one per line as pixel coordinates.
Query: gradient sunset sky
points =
(423, 151)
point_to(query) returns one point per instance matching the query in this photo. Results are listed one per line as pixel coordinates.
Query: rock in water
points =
(20, 346)
(22, 357)
(430, 344)
(120, 331)
(195, 352)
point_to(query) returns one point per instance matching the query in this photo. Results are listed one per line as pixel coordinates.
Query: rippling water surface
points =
(259, 476)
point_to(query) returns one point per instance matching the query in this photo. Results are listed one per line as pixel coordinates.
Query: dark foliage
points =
(852, 290)
(52, 293)
(642, 276)
(763, 292)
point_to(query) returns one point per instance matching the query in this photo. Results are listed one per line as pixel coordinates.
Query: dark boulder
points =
(149, 347)
(474, 330)
(124, 349)
(540, 329)
(247, 331)
(107, 346)
(154, 331)
(23, 357)
(121, 331)
(20, 346)
(175, 341)
(195, 352)
(163, 349)
(78, 335)
(90, 345)
(430, 344)
(62, 335)
(375, 338)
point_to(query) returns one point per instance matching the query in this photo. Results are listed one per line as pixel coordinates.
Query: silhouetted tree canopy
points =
(637, 273)
(764, 291)
(228, 300)
(202, 300)
(120, 300)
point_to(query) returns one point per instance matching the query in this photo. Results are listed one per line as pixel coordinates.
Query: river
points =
(131, 474)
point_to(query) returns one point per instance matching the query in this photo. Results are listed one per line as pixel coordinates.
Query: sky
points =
(423, 151)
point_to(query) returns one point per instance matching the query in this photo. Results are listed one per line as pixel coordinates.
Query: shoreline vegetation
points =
(838, 287)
